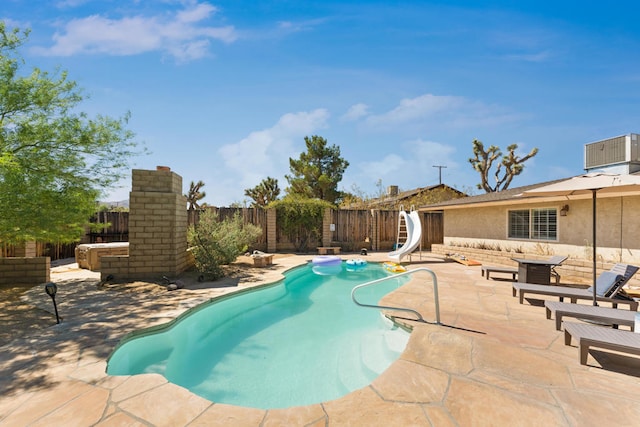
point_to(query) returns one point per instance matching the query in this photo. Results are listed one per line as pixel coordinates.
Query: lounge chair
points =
(606, 315)
(596, 336)
(608, 286)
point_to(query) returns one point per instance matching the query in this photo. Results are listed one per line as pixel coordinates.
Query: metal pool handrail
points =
(405, 273)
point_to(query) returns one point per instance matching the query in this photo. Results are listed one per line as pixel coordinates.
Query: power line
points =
(439, 171)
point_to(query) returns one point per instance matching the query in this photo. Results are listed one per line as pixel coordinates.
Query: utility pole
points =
(440, 171)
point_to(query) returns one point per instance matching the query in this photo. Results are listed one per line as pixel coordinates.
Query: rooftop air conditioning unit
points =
(620, 154)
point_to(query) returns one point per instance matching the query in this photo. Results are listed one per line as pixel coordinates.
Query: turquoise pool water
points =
(298, 342)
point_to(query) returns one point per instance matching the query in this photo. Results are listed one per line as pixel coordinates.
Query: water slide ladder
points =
(402, 236)
(410, 310)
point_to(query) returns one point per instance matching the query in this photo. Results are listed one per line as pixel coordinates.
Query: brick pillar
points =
(272, 235)
(157, 228)
(375, 239)
(26, 249)
(326, 230)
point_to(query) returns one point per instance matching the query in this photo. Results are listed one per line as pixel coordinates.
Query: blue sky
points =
(225, 92)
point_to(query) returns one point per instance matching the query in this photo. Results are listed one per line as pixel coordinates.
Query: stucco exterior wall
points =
(618, 229)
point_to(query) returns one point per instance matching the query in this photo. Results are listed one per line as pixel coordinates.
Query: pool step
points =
(362, 361)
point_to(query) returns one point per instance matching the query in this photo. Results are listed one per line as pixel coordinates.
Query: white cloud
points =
(441, 111)
(179, 34)
(70, 3)
(288, 27)
(411, 166)
(355, 112)
(411, 109)
(389, 166)
(530, 57)
(266, 152)
(10, 24)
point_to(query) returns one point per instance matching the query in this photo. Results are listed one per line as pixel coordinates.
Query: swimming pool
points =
(298, 342)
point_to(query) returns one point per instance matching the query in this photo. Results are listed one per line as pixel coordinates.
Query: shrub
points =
(215, 243)
(300, 219)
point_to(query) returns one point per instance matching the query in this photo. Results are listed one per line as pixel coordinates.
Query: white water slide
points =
(414, 235)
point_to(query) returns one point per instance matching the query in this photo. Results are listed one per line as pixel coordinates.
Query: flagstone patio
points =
(492, 361)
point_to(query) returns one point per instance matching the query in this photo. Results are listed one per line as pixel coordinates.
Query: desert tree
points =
(484, 160)
(195, 195)
(264, 193)
(55, 161)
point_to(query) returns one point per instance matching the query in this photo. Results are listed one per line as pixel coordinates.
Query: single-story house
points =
(508, 221)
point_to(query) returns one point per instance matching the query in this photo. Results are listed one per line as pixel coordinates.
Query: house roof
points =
(498, 197)
(403, 195)
(505, 197)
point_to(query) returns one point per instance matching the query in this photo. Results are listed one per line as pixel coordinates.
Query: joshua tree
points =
(264, 193)
(483, 161)
(195, 195)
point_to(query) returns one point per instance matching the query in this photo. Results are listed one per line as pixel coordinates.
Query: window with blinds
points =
(533, 224)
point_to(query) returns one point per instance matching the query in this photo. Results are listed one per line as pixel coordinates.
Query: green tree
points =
(264, 193)
(483, 160)
(195, 195)
(54, 161)
(318, 171)
(300, 219)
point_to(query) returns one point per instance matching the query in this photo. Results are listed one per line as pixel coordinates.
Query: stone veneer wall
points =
(570, 269)
(25, 270)
(157, 228)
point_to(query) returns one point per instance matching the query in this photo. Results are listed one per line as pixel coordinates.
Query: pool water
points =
(298, 342)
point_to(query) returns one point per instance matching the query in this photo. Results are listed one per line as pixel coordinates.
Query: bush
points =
(215, 243)
(300, 219)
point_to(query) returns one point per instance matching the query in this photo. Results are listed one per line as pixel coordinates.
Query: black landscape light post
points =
(51, 289)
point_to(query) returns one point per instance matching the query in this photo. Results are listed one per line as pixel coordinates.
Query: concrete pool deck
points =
(492, 361)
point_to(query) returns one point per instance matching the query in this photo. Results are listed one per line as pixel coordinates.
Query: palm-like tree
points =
(264, 193)
(195, 195)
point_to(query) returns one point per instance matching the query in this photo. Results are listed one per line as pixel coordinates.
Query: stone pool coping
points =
(491, 362)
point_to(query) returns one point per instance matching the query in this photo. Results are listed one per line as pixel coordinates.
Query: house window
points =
(533, 224)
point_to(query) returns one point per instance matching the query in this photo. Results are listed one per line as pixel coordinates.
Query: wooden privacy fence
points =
(354, 229)
(116, 229)
(378, 229)
(53, 250)
(255, 216)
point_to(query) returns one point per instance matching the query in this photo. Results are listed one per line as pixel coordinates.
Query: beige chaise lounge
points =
(589, 336)
(607, 315)
(608, 285)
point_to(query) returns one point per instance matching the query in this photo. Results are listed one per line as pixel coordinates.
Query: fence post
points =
(272, 235)
(375, 230)
(326, 228)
